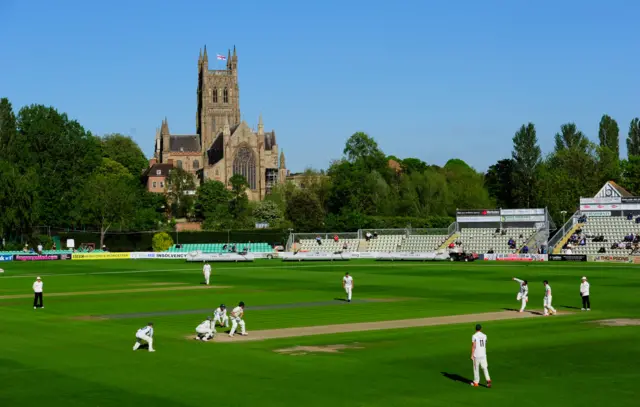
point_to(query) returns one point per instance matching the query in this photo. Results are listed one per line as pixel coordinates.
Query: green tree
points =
(526, 157)
(161, 242)
(18, 200)
(108, 199)
(631, 174)
(124, 150)
(212, 204)
(239, 203)
(304, 211)
(268, 212)
(179, 188)
(570, 137)
(633, 140)
(466, 186)
(499, 182)
(8, 129)
(609, 135)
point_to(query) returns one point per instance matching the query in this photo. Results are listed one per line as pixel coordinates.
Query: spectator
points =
(629, 216)
(490, 251)
(53, 246)
(367, 236)
(39, 248)
(318, 240)
(525, 249)
(602, 250)
(26, 248)
(512, 243)
(638, 219)
(452, 245)
(375, 235)
(344, 246)
(336, 238)
(583, 241)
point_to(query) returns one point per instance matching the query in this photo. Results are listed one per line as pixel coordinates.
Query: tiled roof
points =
(188, 143)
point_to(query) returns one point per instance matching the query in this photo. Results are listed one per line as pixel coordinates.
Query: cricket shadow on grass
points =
(568, 307)
(340, 299)
(458, 378)
(529, 312)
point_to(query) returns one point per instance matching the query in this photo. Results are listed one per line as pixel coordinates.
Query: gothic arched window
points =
(196, 164)
(215, 95)
(179, 164)
(245, 165)
(226, 96)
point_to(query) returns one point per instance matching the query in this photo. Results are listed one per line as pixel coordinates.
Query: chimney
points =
(153, 162)
(170, 162)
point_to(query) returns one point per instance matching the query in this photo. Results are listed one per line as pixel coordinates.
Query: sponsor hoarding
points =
(515, 257)
(523, 218)
(631, 199)
(603, 200)
(6, 257)
(600, 207)
(611, 259)
(160, 255)
(100, 256)
(478, 212)
(315, 256)
(509, 212)
(41, 257)
(567, 257)
(598, 214)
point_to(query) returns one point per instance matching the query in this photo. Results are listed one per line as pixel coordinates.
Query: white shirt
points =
(584, 288)
(237, 312)
(39, 247)
(347, 281)
(147, 330)
(37, 287)
(547, 290)
(219, 312)
(207, 268)
(480, 340)
(524, 289)
(208, 325)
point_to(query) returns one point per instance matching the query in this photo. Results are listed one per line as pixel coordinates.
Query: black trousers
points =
(37, 300)
(585, 302)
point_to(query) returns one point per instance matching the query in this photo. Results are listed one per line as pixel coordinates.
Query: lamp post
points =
(564, 215)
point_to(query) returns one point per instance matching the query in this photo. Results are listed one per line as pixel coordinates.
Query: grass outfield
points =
(77, 351)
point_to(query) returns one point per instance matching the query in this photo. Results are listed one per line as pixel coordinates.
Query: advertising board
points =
(100, 256)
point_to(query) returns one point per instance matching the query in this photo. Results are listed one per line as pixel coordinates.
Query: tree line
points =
(55, 173)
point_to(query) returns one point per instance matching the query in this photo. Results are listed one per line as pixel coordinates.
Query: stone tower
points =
(218, 98)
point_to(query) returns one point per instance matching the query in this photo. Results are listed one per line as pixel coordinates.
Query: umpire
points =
(37, 291)
(584, 293)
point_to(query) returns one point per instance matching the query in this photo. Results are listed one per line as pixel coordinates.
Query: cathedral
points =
(223, 145)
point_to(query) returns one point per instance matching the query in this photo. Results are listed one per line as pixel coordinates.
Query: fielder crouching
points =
(220, 316)
(236, 319)
(205, 330)
(145, 335)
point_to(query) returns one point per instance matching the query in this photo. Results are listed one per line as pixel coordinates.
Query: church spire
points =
(234, 51)
(282, 162)
(205, 57)
(165, 127)
(260, 126)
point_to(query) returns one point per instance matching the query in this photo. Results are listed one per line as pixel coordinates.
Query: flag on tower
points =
(221, 57)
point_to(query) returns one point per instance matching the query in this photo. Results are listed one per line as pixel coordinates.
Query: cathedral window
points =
(196, 164)
(226, 96)
(245, 164)
(215, 95)
(179, 163)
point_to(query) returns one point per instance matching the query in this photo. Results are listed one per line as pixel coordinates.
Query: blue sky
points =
(432, 80)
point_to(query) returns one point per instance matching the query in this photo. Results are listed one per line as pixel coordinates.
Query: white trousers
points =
(348, 291)
(524, 300)
(207, 333)
(223, 320)
(143, 338)
(547, 306)
(207, 275)
(479, 363)
(234, 325)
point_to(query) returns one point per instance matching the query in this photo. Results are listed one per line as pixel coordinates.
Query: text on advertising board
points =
(100, 256)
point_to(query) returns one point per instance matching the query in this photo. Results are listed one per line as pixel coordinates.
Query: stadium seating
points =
(328, 245)
(220, 247)
(385, 243)
(481, 240)
(613, 229)
(422, 243)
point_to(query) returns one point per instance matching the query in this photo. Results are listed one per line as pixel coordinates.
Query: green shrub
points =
(161, 242)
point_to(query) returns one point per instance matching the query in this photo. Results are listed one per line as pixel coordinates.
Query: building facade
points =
(223, 145)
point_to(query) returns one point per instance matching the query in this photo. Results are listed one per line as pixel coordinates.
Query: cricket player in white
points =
(205, 330)
(145, 335)
(347, 284)
(548, 308)
(584, 294)
(479, 356)
(523, 294)
(220, 316)
(236, 319)
(206, 270)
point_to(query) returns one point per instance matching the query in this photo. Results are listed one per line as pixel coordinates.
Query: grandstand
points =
(603, 224)
(423, 243)
(483, 240)
(221, 247)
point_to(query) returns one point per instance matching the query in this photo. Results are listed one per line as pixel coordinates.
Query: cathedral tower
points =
(218, 98)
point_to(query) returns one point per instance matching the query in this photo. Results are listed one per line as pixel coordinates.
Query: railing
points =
(297, 237)
(385, 232)
(431, 231)
(453, 228)
(560, 233)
